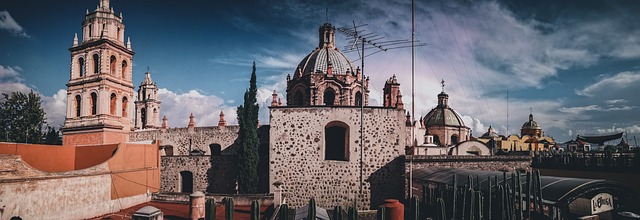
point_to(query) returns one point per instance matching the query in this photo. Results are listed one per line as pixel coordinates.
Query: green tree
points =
(22, 117)
(52, 136)
(248, 136)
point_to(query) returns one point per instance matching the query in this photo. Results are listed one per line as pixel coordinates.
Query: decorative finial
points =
(129, 43)
(326, 14)
(442, 82)
(75, 39)
(148, 69)
(530, 110)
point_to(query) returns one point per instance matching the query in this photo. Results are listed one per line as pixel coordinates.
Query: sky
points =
(574, 64)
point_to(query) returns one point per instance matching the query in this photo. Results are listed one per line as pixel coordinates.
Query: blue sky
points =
(574, 63)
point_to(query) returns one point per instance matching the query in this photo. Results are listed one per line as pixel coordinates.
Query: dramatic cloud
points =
(55, 107)
(9, 24)
(616, 101)
(205, 108)
(582, 109)
(616, 82)
(11, 80)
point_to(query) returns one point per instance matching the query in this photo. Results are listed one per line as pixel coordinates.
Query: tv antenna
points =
(361, 41)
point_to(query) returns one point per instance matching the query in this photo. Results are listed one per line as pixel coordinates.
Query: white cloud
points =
(616, 101)
(205, 108)
(55, 107)
(9, 24)
(619, 81)
(630, 129)
(582, 109)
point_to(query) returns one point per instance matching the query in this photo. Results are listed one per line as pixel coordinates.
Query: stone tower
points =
(326, 77)
(100, 91)
(392, 96)
(147, 105)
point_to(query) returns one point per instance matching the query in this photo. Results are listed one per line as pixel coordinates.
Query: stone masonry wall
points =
(215, 174)
(297, 156)
(199, 138)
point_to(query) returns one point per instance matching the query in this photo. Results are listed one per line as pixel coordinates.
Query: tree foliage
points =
(248, 136)
(22, 118)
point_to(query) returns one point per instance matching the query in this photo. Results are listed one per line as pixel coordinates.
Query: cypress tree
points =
(248, 135)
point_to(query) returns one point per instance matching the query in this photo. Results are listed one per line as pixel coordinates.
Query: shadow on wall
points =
(387, 183)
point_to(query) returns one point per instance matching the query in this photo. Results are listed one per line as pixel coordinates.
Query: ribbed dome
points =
(317, 62)
(443, 115)
(531, 124)
(490, 134)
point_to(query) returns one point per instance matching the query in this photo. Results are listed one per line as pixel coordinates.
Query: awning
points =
(600, 139)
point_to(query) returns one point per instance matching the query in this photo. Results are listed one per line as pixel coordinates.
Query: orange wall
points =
(88, 156)
(49, 158)
(135, 168)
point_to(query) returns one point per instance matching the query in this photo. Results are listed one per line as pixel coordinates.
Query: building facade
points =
(147, 104)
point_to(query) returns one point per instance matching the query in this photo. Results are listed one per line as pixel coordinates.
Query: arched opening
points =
(329, 97)
(358, 101)
(186, 182)
(125, 104)
(90, 30)
(112, 104)
(436, 139)
(96, 63)
(144, 95)
(81, 66)
(168, 150)
(143, 117)
(78, 103)
(454, 139)
(94, 103)
(118, 36)
(124, 69)
(112, 65)
(336, 139)
(298, 98)
(216, 149)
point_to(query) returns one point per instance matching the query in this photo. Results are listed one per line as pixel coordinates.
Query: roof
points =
(599, 139)
(443, 115)
(557, 191)
(317, 61)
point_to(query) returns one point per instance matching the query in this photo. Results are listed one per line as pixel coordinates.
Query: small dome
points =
(490, 133)
(442, 115)
(531, 124)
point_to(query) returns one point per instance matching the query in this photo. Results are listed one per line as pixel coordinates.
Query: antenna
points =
(367, 40)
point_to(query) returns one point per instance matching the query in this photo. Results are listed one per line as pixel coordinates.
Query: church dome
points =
(443, 114)
(531, 124)
(490, 133)
(325, 55)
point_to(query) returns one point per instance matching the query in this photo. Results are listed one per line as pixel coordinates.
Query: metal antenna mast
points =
(366, 40)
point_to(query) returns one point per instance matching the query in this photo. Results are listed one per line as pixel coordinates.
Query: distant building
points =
(445, 124)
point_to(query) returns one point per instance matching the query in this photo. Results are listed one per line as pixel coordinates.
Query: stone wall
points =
(215, 174)
(297, 155)
(198, 138)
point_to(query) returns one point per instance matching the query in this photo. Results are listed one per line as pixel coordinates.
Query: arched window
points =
(78, 105)
(436, 139)
(118, 36)
(143, 117)
(124, 69)
(358, 97)
(186, 182)
(125, 103)
(94, 103)
(90, 30)
(329, 97)
(112, 65)
(454, 139)
(298, 98)
(168, 150)
(336, 139)
(96, 63)
(112, 104)
(216, 149)
(81, 66)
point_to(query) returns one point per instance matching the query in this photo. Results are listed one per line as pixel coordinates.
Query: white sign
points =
(601, 203)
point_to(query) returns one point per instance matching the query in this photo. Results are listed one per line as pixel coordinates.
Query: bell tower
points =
(147, 104)
(99, 91)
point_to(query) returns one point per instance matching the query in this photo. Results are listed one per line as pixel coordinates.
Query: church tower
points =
(147, 105)
(100, 91)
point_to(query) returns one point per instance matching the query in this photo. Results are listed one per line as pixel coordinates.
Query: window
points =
(125, 103)
(329, 97)
(454, 139)
(336, 139)
(96, 63)
(143, 117)
(186, 182)
(216, 149)
(298, 98)
(168, 150)
(124, 69)
(81, 66)
(78, 105)
(94, 103)
(112, 107)
(112, 65)
(358, 101)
